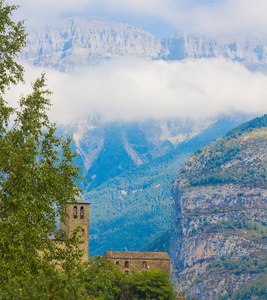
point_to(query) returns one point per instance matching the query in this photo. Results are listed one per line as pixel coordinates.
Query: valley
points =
(211, 218)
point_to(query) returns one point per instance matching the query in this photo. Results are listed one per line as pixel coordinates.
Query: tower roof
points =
(81, 200)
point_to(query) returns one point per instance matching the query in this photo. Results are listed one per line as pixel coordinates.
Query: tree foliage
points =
(37, 171)
(104, 280)
(226, 160)
(12, 39)
(101, 280)
(51, 285)
(154, 284)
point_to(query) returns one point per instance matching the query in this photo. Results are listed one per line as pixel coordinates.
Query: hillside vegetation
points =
(159, 244)
(219, 224)
(234, 158)
(130, 210)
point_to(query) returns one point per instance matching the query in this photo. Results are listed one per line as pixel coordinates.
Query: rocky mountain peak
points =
(81, 41)
(85, 40)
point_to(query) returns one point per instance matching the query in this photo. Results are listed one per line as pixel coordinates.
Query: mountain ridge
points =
(219, 222)
(134, 207)
(81, 41)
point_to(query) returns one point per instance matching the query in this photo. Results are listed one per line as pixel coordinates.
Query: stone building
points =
(181, 296)
(78, 215)
(139, 261)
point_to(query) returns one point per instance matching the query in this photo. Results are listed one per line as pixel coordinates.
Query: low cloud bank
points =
(135, 89)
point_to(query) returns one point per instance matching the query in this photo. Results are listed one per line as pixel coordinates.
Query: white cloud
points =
(138, 89)
(246, 17)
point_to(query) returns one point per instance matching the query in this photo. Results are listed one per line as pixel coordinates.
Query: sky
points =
(160, 17)
(132, 88)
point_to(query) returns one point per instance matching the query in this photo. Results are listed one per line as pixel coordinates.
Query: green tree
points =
(149, 285)
(37, 171)
(12, 39)
(104, 280)
(53, 285)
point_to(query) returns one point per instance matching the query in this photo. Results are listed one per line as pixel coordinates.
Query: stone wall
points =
(72, 223)
(139, 261)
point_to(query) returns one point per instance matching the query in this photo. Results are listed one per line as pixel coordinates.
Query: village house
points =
(129, 261)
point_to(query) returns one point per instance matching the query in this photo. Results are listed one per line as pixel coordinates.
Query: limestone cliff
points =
(219, 220)
(251, 52)
(81, 41)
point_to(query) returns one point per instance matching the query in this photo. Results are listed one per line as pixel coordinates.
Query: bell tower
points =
(78, 215)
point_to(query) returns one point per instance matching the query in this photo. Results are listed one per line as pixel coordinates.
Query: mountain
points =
(160, 244)
(133, 208)
(129, 166)
(219, 225)
(81, 41)
(107, 149)
(250, 52)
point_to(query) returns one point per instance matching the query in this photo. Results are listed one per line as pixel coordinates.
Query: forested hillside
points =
(130, 210)
(219, 232)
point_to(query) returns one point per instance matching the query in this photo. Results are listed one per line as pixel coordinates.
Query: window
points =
(126, 264)
(82, 230)
(144, 265)
(117, 263)
(75, 212)
(126, 272)
(81, 212)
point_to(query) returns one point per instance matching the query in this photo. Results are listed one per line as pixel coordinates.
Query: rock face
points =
(81, 41)
(219, 216)
(251, 52)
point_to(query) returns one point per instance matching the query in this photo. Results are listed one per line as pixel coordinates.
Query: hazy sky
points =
(136, 89)
(160, 17)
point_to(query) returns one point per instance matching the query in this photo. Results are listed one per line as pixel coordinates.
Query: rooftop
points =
(136, 255)
(81, 200)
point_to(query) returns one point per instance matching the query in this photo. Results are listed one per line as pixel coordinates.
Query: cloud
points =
(246, 17)
(134, 89)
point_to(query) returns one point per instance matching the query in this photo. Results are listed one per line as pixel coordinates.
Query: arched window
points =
(126, 264)
(81, 212)
(144, 265)
(75, 212)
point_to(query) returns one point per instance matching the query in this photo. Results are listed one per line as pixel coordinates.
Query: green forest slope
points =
(130, 210)
(223, 188)
(233, 158)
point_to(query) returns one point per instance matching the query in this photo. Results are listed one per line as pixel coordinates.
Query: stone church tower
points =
(78, 213)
